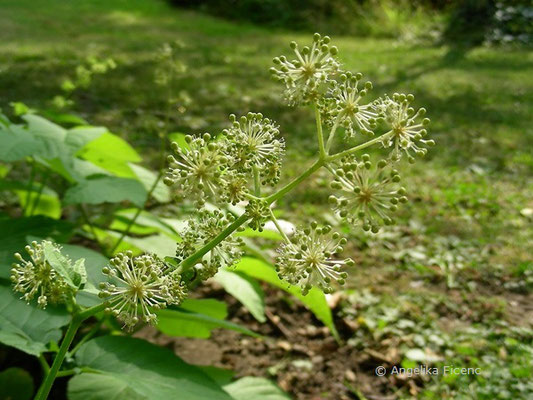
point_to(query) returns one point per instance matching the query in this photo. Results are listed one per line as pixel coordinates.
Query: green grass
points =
(476, 185)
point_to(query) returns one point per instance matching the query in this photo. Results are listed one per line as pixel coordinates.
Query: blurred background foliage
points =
(457, 264)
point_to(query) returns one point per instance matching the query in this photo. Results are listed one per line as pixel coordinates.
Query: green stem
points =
(191, 260)
(87, 336)
(44, 390)
(91, 227)
(257, 182)
(66, 372)
(332, 135)
(275, 221)
(320, 135)
(39, 193)
(359, 147)
(44, 364)
(287, 188)
(30, 187)
(137, 213)
(75, 323)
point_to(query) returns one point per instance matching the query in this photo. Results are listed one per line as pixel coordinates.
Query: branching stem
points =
(75, 323)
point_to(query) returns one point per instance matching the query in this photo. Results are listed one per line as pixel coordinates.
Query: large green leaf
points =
(17, 143)
(91, 386)
(252, 388)
(197, 318)
(111, 153)
(14, 235)
(315, 300)
(28, 328)
(244, 289)
(80, 136)
(15, 384)
(52, 136)
(106, 189)
(127, 368)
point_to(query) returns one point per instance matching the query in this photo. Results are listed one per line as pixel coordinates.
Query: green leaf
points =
(252, 388)
(80, 136)
(160, 245)
(52, 136)
(17, 143)
(147, 219)
(28, 328)
(94, 262)
(14, 235)
(197, 318)
(48, 204)
(90, 386)
(63, 118)
(111, 153)
(161, 192)
(244, 289)
(265, 234)
(315, 300)
(74, 275)
(15, 384)
(106, 189)
(135, 369)
(220, 375)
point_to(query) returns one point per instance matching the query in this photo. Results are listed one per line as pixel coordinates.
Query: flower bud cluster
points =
(223, 169)
(200, 231)
(367, 193)
(259, 212)
(139, 285)
(308, 259)
(344, 106)
(198, 170)
(38, 278)
(254, 141)
(304, 75)
(408, 126)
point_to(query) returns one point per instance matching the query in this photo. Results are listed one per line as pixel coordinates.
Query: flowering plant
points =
(243, 165)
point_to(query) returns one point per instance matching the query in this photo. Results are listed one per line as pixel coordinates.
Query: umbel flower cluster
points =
(242, 166)
(139, 286)
(37, 278)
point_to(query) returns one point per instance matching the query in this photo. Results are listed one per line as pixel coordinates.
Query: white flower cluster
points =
(201, 230)
(38, 278)
(308, 259)
(138, 286)
(304, 75)
(367, 194)
(224, 168)
(408, 127)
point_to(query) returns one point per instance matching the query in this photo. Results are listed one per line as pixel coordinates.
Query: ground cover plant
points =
(449, 283)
